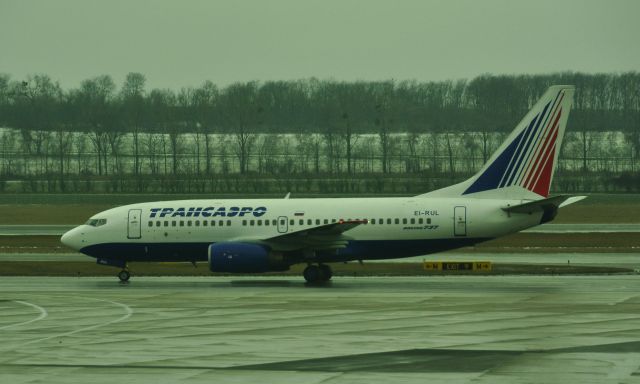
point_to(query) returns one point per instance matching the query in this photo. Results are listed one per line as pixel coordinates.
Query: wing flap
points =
(323, 237)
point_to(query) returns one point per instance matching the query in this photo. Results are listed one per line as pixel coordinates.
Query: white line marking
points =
(43, 314)
(127, 315)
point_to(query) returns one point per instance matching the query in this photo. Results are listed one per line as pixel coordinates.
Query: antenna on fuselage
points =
(288, 195)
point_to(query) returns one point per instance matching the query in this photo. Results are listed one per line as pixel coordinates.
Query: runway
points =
(374, 330)
(59, 230)
(625, 260)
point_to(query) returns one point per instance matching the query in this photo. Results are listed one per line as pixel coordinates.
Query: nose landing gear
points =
(124, 274)
(317, 273)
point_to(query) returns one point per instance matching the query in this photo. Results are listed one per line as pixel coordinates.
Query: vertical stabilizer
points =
(523, 166)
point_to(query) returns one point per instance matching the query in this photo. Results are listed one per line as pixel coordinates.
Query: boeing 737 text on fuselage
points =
(509, 194)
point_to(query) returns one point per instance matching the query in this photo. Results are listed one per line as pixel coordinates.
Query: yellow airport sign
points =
(443, 266)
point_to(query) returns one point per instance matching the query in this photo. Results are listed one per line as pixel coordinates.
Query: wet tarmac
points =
(453, 329)
(624, 260)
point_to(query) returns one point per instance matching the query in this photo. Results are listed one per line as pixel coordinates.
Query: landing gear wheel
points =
(317, 273)
(312, 274)
(124, 275)
(327, 273)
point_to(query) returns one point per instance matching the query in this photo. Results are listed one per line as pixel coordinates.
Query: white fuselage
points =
(408, 226)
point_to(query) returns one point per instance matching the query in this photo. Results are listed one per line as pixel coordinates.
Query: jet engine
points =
(244, 258)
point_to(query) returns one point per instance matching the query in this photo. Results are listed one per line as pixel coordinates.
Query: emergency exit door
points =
(134, 226)
(460, 221)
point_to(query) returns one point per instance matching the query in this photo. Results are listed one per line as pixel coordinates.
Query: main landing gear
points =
(124, 276)
(317, 273)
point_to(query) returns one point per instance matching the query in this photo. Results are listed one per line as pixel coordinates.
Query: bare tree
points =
(132, 98)
(242, 113)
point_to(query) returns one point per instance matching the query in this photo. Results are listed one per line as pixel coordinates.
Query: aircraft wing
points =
(323, 237)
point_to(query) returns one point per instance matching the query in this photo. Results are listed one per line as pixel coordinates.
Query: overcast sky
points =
(183, 43)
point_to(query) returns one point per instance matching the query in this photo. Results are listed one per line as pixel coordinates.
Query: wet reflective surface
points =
(453, 329)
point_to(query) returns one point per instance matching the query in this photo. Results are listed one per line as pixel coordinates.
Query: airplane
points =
(510, 193)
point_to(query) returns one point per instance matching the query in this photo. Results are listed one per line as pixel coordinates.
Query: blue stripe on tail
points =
(520, 151)
(490, 179)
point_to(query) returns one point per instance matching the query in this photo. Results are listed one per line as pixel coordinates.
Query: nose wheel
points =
(317, 273)
(124, 276)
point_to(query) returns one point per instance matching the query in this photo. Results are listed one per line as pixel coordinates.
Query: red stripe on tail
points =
(548, 142)
(543, 184)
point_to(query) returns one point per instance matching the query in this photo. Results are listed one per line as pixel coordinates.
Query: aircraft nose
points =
(72, 239)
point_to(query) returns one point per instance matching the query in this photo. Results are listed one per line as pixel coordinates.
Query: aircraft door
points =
(283, 224)
(460, 221)
(134, 225)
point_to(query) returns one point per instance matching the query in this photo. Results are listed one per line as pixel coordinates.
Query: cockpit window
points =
(96, 222)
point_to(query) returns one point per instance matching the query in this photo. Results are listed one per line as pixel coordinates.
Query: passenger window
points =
(317, 221)
(188, 223)
(204, 223)
(157, 223)
(373, 221)
(381, 221)
(420, 220)
(429, 220)
(275, 222)
(244, 223)
(151, 223)
(388, 221)
(326, 221)
(397, 221)
(291, 222)
(259, 222)
(309, 222)
(197, 223)
(413, 220)
(213, 223)
(252, 222)
(333, 220)
(228, 223)
(166, 223)
(301, 222)
(266, 222)
(220, 223)
(404, 221)
(182, 223)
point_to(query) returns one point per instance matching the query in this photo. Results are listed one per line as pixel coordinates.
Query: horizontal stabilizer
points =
(544, 205)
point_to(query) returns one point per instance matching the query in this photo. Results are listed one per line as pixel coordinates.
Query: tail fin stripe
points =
(548, 142)
(524, 152)
(541, 185)
(539, 148)
(546, 148)
(539, 138)
(504, 180)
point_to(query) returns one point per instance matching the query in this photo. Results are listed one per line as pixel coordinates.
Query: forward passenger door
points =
(134, 225)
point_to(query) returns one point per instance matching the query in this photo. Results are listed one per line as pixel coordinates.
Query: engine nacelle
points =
(244, 258)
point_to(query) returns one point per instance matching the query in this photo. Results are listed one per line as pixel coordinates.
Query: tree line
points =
(131, 132)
